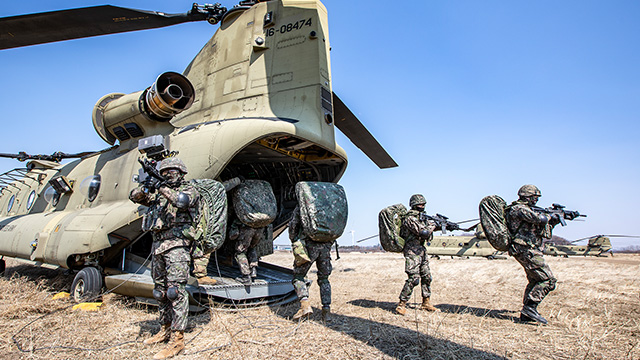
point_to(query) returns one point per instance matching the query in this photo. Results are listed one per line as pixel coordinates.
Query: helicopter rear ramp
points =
(272, 286)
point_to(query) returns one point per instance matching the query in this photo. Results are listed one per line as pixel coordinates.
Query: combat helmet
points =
(173, 163)
(417, 199)
(529, 190)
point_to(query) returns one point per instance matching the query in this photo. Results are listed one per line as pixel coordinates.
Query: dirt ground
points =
(593, 314)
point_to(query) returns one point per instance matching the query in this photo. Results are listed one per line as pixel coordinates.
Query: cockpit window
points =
(31, 199)
(90, 187)
(11, 201)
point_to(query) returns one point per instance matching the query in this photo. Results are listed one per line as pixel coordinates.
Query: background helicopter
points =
(478, 245)
(256, 102)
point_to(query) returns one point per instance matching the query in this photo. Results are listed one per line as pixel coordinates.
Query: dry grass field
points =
(593, 314)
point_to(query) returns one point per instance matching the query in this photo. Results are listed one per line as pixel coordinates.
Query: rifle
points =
(558, 211)
(153, 180)
(441, 221)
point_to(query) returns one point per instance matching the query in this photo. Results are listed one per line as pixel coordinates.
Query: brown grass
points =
(594, 314)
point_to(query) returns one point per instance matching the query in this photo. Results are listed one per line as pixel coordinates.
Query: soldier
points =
(246, 238)
(318, 252)
(415, 232)
(528, 227)
(169, 218)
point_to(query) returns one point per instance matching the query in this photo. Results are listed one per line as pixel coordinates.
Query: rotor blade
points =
(466, 221)
(596, 236)
(349, 124)
(367, 238)
(40, 28)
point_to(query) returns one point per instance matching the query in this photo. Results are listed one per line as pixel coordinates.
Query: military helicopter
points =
(255, 102)
(478, 245)
(466, 246)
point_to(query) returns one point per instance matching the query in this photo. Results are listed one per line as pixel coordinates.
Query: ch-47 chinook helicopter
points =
(478, 245)
(256, 102)
(475, 245)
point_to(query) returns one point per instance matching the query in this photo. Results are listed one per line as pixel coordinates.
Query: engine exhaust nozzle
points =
(169, 95)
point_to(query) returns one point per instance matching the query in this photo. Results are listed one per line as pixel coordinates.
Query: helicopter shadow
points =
(395, 341)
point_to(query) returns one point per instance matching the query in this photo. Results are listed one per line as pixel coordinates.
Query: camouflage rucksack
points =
(254, 203)
(494, 224)
(389, 223)
(323, 210)
(210, 224)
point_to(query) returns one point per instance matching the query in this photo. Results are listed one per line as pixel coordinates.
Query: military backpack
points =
(492, 218)
(210, 223)
(389, 223)
(323, 210)
(254, 203)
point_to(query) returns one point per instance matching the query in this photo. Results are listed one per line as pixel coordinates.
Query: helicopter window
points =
(11, 201)
(51, 196)
(90, 187)
(133, 129)
(120, 133)
(31, 199)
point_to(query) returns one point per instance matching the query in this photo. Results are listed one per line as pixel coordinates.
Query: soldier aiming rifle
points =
(528, 225)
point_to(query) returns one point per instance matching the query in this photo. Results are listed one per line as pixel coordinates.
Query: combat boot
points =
(244, 280)
(530, 313)
(207, 280)
(426, 305)
(305, 310)
(254, 272)
(175, 346)
(326, 313)
(163, 335)
(401, 308)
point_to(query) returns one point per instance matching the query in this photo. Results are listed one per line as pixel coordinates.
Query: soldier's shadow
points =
(395, 341)
(501, 314)
(372, 304)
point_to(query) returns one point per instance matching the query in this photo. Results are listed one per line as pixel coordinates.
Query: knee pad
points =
(323, 280)
(159, 294)
(414, 280)
(172, 293)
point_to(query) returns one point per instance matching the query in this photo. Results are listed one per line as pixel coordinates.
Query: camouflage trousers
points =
(200, 265)
(320, 253)
(541, 280)
(416, 265)
(245, 248)
(170, 272)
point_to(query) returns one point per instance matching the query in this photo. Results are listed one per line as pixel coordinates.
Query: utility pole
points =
(353, 239)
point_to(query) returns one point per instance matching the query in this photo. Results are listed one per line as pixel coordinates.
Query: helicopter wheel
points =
(3, 266)
(87, 284)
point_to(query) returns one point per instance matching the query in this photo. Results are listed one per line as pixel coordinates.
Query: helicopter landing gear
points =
(3, 266)
(87, 284)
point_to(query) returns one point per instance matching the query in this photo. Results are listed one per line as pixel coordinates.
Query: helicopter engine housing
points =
(121, 117)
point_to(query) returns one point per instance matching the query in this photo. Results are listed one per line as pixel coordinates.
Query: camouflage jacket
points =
(412, 226)
(170, 225)
(526, 226)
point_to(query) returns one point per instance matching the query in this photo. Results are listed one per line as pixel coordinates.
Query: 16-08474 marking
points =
(288, 27)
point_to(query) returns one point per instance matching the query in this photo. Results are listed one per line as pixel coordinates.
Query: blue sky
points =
(471, 98)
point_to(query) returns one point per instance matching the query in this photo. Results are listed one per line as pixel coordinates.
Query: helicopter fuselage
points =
(262, 109)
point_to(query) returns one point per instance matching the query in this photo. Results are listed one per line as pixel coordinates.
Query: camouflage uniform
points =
(415, 254)
(246, 239)
(170, 227)
(320, 253)
(528, 228)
